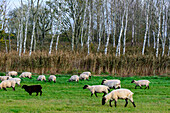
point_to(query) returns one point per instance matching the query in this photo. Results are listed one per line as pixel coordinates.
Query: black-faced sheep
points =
(111, 83)
(52, 78)
(41, 78)
(33, 88)
(12, 73)
(7, 84)
(74, 78)
(141, 83)
(97, 89)
(84, 76)
(26, 74)
(119, 94)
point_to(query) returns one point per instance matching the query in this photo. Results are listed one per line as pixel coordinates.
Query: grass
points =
(64, 96)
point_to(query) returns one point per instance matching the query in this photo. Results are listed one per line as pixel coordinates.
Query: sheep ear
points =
(132, 81)
(85, 86)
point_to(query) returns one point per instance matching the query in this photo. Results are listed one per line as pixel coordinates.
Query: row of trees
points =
(99, 22)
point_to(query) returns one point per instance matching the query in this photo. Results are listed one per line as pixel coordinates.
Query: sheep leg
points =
(126, 102)
(148, 87)
(110, 103)
(13, 88)
(135, 86)
(40, 93)
(91, 94)
(37, 94)
(96, 94)
(115, 103)
(104, 94)
(5, 89)
(133, 103)
(114, 87)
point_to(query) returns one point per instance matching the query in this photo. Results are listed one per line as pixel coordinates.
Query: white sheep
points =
(41, 78)
(141, 83)
(26, 74)
(52, 78)
(12, 73)
(74, 78)
(88, 73)
(84, 76)
(17, 80)
(2, 78)
(111, 83)
(7, 84)
(97, 89)
(119, 94)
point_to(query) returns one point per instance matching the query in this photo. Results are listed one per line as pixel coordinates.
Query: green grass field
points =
(64, 96)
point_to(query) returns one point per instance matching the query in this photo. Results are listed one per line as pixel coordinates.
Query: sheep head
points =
(85, 86)
(103, 100)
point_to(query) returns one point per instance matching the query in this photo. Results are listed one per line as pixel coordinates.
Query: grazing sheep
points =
(2, 78)
(87, 73)
(84, 76)
(7, 84)
(12, 73)
(26, 74)
(97, 89)
(41, 78)
(52, 78)
(119, 94)
(111, 83)
(33, 88)
(74, 78)
(17, 80)
(141, 83)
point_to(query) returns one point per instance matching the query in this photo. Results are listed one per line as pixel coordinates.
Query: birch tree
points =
(89, 30)
(26, 26)
(146, 31)
(120, 35)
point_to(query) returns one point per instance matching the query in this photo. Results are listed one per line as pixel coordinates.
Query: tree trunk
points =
(124, 41)
(89, 32)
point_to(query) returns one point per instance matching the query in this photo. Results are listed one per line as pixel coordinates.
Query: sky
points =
(13, 4)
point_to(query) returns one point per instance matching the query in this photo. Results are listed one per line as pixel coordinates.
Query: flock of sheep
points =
(106, 85)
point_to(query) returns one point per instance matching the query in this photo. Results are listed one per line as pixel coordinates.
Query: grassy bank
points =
(64, 96)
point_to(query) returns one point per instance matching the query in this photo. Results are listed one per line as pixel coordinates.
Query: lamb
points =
(2, 78)
(52, 78)
(74, 78)
(7, 84)
(41, 78)
(84, 76)
(141, 83)
(87, 73)
(17, 80)
(97, 89)
(12, 73)
(119, 94)
(111, 83)
(26, 74)
(33, 88)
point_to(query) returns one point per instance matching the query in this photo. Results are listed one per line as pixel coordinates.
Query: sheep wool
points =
(33, 88)
(26, 74)
(97, 89)
(119, 94)
(52, 78)
(84, 76)
(111, 83)
(141, 83)
(41, 78)
(12, 73)
(7, 84)
(17, 80)
(74, 78)
(2, 78)
(87, 73)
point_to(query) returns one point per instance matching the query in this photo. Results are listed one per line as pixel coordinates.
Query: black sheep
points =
(33, 88)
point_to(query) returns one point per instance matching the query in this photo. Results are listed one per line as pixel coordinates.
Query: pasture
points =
(70, 97)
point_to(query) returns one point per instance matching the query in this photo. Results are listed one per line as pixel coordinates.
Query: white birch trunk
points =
(18, 35)
(124, 41)
(149, 33)
(107, 27)
(56, 48)
(6, 48)
(146, 31)
(120, 35)
(89, 32)
(159, 30)
(169, 47)
(154, 40)
(35, 42)
(51, 44)
(32, 37)
(21, 31)
(26, 26)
